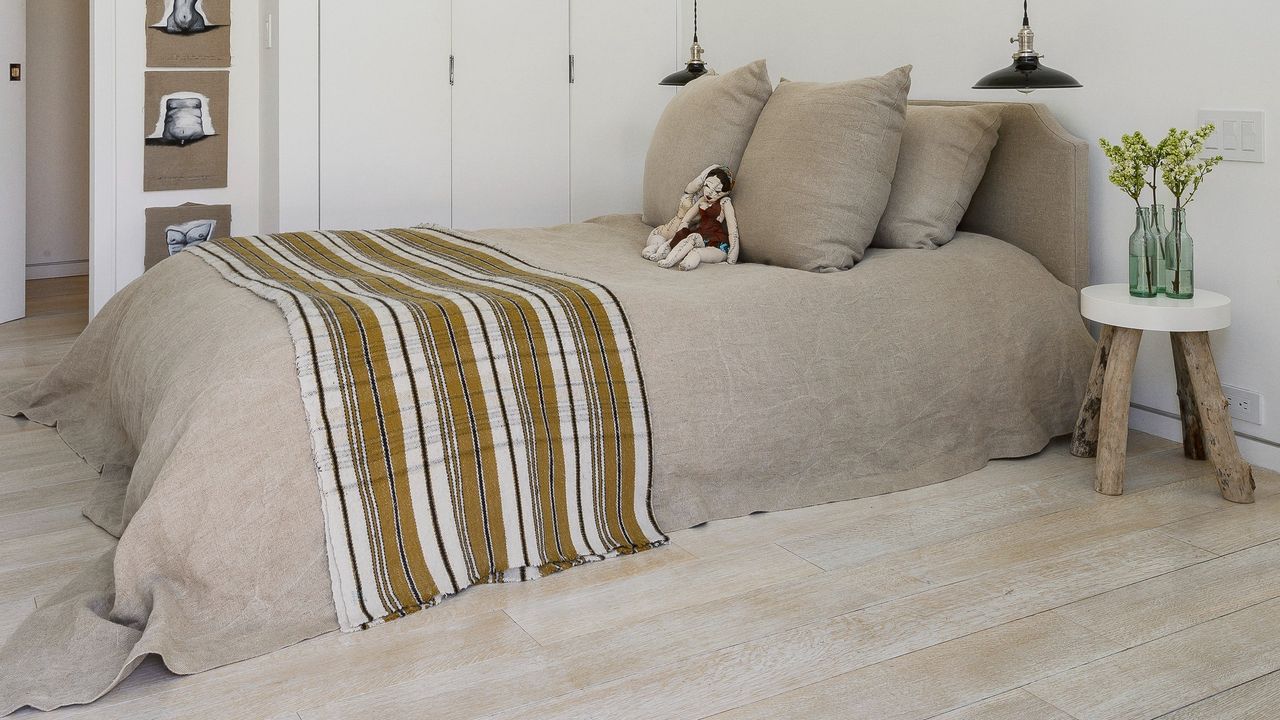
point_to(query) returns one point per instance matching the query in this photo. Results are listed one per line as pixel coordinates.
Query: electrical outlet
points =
(1243, 404)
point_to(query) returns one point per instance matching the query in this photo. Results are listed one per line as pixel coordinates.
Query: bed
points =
(767, 389)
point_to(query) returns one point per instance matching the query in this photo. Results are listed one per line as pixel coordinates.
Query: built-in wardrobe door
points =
(384, 113)
(510, 113)
(621, 48)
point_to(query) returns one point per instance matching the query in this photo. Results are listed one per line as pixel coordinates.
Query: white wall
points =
(57, 79)
(290, 143)
(1146, 64)
(118, 203)
(622, 48)
(13, 164)
(268, 117)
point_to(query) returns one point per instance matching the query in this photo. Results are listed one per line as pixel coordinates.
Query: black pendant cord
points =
(696, 66)
(1026, 73)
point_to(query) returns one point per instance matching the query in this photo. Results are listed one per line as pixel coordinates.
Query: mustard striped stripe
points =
(473, 418)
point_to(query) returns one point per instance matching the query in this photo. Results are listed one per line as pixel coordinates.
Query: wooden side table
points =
(1103, 426)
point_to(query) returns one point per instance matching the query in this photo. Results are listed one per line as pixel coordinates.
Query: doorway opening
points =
(47, 111)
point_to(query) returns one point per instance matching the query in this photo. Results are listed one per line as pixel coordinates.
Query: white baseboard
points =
(1257, 451)
(67, 268)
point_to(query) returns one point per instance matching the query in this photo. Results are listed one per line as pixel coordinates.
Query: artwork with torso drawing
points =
(188, 33)
(185, 117)
(185, 235)
(184, 17)
(170, 230)
(184, 124)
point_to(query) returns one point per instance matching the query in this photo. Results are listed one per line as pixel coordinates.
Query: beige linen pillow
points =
(817, 173)
(943, 158)
(707, 123)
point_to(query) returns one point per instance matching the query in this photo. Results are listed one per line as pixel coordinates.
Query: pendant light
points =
(696, 68)
(1026, 73)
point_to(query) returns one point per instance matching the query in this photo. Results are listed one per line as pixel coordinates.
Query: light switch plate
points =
(1240, 134)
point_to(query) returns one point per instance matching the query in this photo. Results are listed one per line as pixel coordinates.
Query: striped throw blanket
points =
(473, 418)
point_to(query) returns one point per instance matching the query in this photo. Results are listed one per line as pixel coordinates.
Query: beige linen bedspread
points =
(768, 388)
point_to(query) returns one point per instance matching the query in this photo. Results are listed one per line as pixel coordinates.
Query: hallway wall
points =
(57, 138)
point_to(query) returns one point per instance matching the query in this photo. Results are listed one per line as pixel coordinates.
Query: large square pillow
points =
(707, 123)
(817, 173)
(943, 158)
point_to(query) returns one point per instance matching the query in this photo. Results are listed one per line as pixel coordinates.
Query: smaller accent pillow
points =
(943, 157)
(819, 169)
(707, 123)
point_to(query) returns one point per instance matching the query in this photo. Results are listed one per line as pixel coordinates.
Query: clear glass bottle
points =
(1142, 256)
(1160, 230)
(1179, 258)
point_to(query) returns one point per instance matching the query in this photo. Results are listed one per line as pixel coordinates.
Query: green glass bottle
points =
(1179, 258)
(1159, 229)
(1142, 256)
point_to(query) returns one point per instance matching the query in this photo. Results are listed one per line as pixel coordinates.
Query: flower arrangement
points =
(1182, 173)
(1129, 162)
(1175, 160)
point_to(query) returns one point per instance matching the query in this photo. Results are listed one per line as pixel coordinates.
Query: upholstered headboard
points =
(1035, 194)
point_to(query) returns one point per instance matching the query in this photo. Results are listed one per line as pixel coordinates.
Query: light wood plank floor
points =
(1013, 592)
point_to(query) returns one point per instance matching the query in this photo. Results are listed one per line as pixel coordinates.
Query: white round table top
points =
(1113, 305)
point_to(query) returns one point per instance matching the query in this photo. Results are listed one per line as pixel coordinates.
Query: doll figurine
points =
(662, 234)
(708, 231)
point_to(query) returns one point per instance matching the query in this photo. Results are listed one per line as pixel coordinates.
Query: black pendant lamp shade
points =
(696, 68)
(1026, 73)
